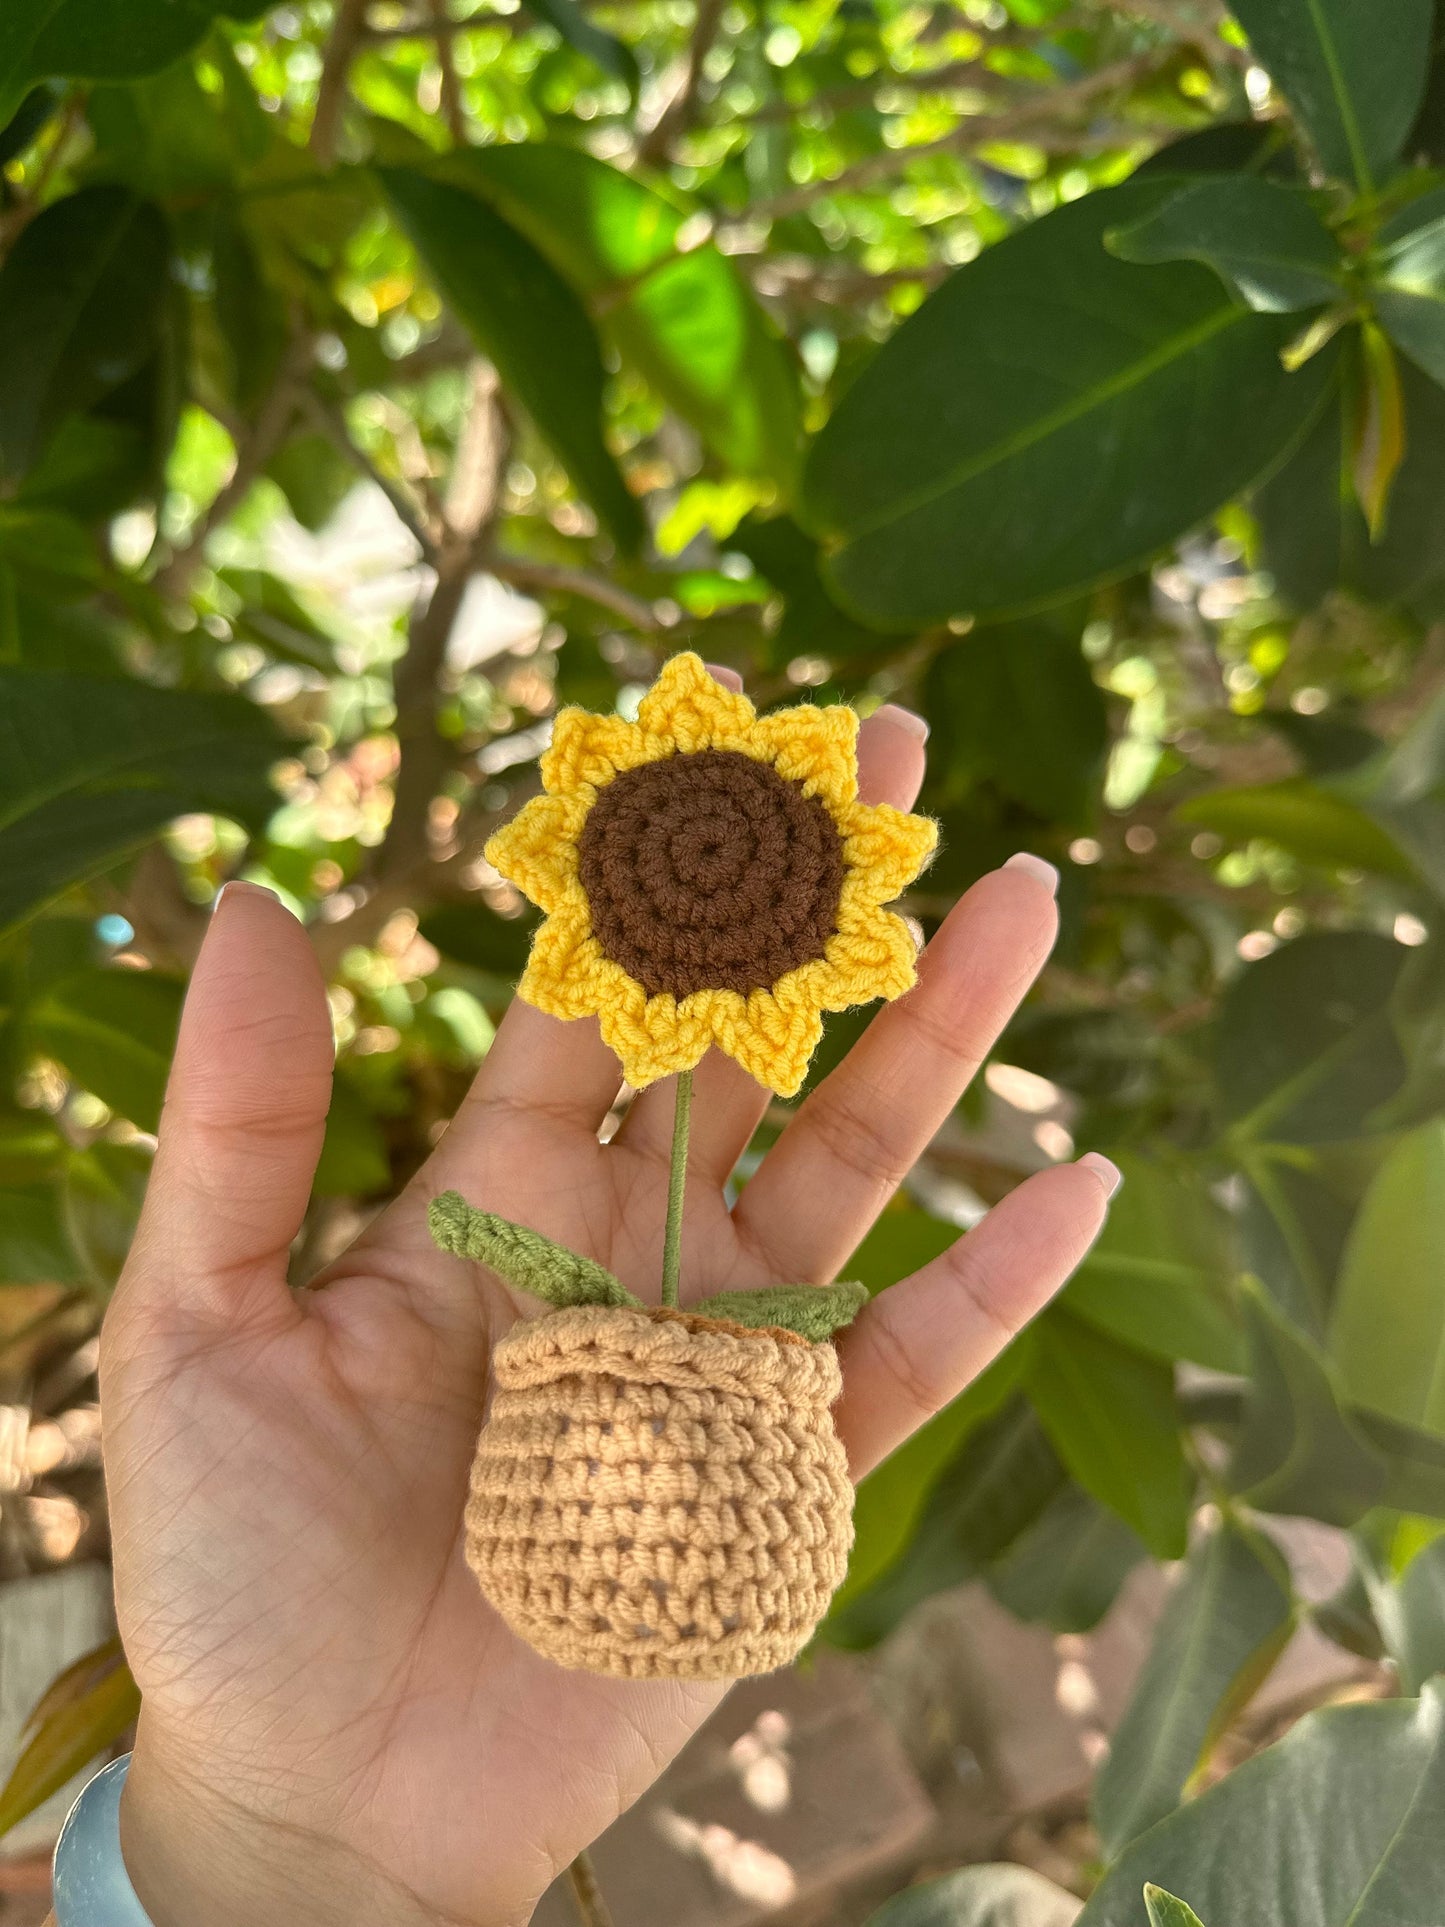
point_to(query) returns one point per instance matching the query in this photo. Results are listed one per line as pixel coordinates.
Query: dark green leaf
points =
(812, 624)
(1305, 818)
(686, 320)
(1354, 89)
(314, 476)
(612, 55)
(84, 1712)
(1110, 1413)
(527, 320)
(1065, 1570)
(82, 298)
(1408, 282)
(1314, 537)
(1226, 1622)
(1264, 241)
(962, 471)
(1229, 147)
(113, 1031)
(1304, 1048)
(1003, 1895)
(100, 39)
(1299, 1451)
(267, 611)
(1018, 705)
(1387, 1335)
(1160, 1277)
(250, 315)
(27, 120)
(353, 1162)
(101, 1196)
(91, 769)
(997, 1484)
(902, 1241)
(477, 936)
(1338, 1825)
(163, 136)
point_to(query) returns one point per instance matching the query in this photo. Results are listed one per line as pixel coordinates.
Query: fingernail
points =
(1037, 867)
(729, 678)
(238, 887)
(907, 719)
(1107, 1172)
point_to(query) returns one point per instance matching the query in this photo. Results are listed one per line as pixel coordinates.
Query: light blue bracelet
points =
(92, 1888)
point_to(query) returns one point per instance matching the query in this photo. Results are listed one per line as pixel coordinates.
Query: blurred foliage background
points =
(376, 375)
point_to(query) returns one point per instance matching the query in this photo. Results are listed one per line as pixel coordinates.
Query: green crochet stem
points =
(676, 1185)
(562, 1277)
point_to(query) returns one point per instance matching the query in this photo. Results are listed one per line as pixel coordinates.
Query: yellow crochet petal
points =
(653, 1036)
(590, 750)
(775, 1034)
(685, 710)
(872, 954)
(817, 748)
(885, 848)
(567, 974)
(537, 850)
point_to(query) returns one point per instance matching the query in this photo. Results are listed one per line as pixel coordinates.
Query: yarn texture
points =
(658, 1494)
(709, 876)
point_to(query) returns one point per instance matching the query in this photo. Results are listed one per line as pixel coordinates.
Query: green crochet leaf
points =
(813, 1311)
(524, 1258)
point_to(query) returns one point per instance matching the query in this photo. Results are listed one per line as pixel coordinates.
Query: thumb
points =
(244, 1116)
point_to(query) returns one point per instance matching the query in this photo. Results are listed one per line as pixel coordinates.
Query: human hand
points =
(336, 1726)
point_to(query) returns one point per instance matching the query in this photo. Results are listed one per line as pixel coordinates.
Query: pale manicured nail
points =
(238, 887)
(1037, 867)
(1104, 1169)
(729, 678)
(903, 718)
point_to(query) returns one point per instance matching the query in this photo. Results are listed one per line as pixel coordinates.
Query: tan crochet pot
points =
(660, 1496)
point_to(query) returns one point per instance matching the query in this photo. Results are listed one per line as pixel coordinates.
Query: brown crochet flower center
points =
(710, 872)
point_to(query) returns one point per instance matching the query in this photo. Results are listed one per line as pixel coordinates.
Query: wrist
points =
(199, 1858)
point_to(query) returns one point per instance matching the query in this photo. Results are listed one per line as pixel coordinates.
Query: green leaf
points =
(83, 1713)
(478, 937)
(995, 1485)
(686, 320)
(522, 1256)
(1407, 282)
(1410, 1612)
(1110, 1413)
(1264, 241)
(265, 610)
(1299, 1451)
(961, 472)
(815, 1312)
(1160, 1276)
(101, 39)
(1304, 1048)
(605, 50)
(1167, 1910)
(812, 624)
(1305, 818)
(83, 294)
(354, 1161)
(526, 319)
(92, 768)
(1064, 1571)
(1226, 1622)
(1001, 1895)
(38, 106)
(903, 1240)
(1354, 89)
(1338, 1825)
(113, 1031)
(102, 1191)
(162, 136)
(1018, 705)
(1387, 1334)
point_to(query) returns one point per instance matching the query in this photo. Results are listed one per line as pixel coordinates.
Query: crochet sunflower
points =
(710, 877)
(661, 1493)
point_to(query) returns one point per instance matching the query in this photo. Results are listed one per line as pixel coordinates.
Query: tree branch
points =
(676, 117)
(453, 107)
(1020, 122)
(546, 578)
(348, 31)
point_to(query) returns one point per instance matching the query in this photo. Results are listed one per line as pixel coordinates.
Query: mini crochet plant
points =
(661, 1493)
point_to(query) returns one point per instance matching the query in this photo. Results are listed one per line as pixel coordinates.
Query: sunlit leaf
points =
(85, 1711)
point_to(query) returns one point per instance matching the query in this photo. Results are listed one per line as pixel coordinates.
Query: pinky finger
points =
(920, 1343)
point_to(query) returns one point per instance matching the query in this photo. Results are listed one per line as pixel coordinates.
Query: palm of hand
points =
(325, 1690)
